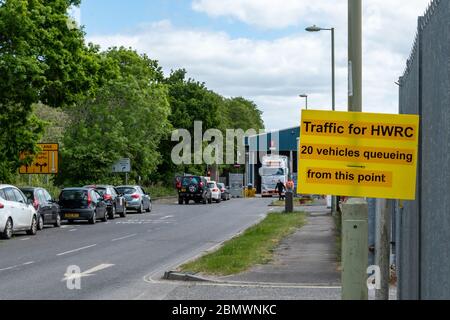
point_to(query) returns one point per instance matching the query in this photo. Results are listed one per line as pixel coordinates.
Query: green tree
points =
(190, 101)
(127, 118)
(56, 120)
(42, 59)
(240, 113)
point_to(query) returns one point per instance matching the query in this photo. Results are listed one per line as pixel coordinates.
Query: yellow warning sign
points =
(45, 162)
(358, 154)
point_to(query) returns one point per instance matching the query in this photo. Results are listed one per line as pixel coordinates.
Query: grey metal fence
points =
(423, 226)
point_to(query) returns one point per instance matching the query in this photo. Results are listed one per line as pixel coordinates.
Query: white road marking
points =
(8, 268)
(75, 250)
(125, 237)
(86, 273)
(166, 217)
(73, 230)
(16, 266)
(25, 239)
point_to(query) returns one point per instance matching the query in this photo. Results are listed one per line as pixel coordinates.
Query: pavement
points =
(308, 257)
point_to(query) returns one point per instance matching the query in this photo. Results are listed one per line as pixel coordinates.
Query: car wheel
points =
(8, 232)
(149, 207)
(204, 201)
(141, 208)
(105, 217)
(186, 201)
(40, 225)
(180, 200)
(124, 213)
(112, 216)
(58, 221)
(210, 200)
(33, 229)
(93, 220)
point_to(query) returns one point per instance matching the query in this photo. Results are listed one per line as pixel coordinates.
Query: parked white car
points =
(215, 191)
(16, 213)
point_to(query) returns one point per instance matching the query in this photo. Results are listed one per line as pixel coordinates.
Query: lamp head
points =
(313, 28)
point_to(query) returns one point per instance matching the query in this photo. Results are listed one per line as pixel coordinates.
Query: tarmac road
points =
(119, 259)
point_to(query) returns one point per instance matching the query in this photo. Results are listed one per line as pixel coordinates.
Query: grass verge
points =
(255, 246)
(159, 191)
(297, 202)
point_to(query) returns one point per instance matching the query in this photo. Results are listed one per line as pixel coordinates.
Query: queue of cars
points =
(200, 190)
(29, 209)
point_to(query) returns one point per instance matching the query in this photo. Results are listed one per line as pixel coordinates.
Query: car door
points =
(9, 204)
(14, 207)
(24, 212)
(47, 206)
(100, 203)
(115, 199)
(53, 206)
(146, 198)
(44, 209)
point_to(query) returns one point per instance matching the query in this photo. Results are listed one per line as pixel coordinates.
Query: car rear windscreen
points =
(190, 180)
(29, 194)
(211, 185)
(101, 191)
(126, 190)
(74, 195)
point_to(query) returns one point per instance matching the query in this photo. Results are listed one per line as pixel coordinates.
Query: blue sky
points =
(258, 49)
(112, 16)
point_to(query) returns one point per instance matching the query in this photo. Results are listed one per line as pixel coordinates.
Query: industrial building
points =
(283, 142)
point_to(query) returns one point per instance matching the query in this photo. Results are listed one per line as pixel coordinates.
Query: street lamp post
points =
(315, 28)
(306, 97)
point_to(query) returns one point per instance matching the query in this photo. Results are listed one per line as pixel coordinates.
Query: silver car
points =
(136, 198)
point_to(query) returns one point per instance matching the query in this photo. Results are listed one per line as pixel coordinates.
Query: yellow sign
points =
(45, 162)
(358, 154)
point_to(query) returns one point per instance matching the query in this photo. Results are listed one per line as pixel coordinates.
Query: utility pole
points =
(382, 247)
(355, 212)
(355, 55)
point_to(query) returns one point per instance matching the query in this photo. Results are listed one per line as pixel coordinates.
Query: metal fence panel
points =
(423, 257)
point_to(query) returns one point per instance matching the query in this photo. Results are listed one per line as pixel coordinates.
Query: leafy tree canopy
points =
(127, 118)
(42, 59)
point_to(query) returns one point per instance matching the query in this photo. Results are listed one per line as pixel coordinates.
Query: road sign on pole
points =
(45, 162)
(358, 154)
(123, 165)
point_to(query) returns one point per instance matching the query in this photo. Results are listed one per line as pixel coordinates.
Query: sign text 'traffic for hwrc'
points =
(358, 154)
(45, 162)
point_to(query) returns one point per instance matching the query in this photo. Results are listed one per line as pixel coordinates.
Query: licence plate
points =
(72, 215)
(183, 190)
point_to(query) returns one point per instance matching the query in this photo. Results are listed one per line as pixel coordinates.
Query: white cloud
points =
(269, 14)
(273, 73)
